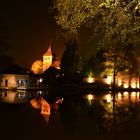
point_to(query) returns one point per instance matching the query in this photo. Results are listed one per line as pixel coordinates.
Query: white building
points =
(11, 81)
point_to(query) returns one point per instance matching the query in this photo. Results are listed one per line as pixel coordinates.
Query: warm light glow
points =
(90, 97)
(133, 85)
(119, 95)
(108, 98)
(45, 107)
(109, 80)
(119, 82)
(138, 85)
(41, 104)
(37, 67)
(126, 85)
(138, 94)
(133, 94)
(40, 80)
(35, 103)
(56, 64)
(126, 93)
(90, 79)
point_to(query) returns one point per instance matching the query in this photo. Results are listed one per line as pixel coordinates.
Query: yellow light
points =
(119, 95)
(90, 97)
(119, 82)
(138, 94)
(109, 80)
(133, 85)
(90, 79)
(126, 85)
(126, 93)
(138, 85)
(108, 98)
(133, 94)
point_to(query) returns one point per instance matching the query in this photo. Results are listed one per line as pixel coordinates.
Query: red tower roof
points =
(49, 51)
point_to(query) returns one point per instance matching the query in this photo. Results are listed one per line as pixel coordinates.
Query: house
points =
(14, 81)
(14, 77)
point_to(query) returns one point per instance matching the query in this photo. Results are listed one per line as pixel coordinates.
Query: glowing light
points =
(138, 94)
(133, 94)
(89, 79)
(90, 97)
(40, 80)
(41, 104)
(37, 67)
(126, 93)
(108, 98)
(45, 107)
(133, 85)
(119, 95)
(119, 82)
(109, 80)
(126, 85)
(138, 85)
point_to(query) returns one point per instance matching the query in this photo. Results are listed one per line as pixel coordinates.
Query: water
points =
(92, 115)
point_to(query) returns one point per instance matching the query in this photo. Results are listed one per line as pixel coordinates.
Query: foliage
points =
(71, 60)
(73, 14)
(116, 22)
(119, 36)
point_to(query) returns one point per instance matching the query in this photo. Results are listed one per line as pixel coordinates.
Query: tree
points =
(71, 60)
(73, 14)
(117, 23)
(119, 36)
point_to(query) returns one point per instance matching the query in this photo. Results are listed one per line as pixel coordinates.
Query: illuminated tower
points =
(47, 59)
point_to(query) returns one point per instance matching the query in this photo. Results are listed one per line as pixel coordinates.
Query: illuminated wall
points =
(14, 81)
(126, 80)
(123, 80)
(47, 59)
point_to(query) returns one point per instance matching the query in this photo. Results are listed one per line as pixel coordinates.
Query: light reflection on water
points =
(19, 96)
(91, 113)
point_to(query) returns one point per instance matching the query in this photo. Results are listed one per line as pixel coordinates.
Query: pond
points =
(90, 115)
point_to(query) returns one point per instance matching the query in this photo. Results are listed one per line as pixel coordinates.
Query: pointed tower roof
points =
(49, 51)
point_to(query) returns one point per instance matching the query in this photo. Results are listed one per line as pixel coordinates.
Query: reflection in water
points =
(12, 97)
(92, 114)
(119, 111)
(44, 107)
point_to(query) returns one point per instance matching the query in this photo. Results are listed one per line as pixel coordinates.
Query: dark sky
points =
(26, 28)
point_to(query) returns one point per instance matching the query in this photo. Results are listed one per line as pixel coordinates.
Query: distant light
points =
(138, 85)
(119, 95)
(90, 97)
(39, 92)
(40, 80)
(109, 80)
(108, 98)
(126, 85)
(133, 94)
(133, 85)
(125, 93)
(119, 82)
(90, 79)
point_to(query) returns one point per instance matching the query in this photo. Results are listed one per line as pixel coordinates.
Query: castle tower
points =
(47, 59)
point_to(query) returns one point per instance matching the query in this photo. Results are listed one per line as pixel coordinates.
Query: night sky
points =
(26, 29)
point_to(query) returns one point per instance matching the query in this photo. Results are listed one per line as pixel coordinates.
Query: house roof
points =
(14, 69)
